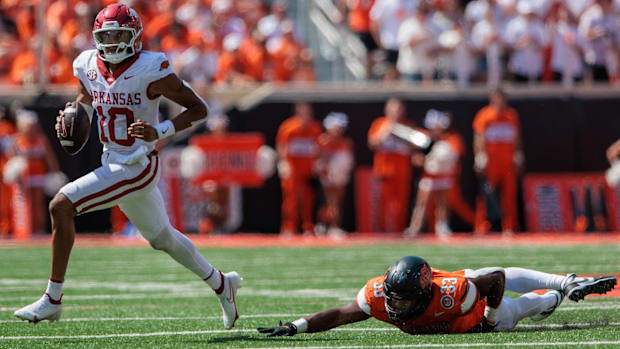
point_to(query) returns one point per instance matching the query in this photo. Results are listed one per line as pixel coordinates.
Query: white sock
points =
(54, 290)
(526, 280)
(215, 281)
(531, 304)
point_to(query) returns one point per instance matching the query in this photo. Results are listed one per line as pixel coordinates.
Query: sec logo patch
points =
(91, 74)
(447, 302)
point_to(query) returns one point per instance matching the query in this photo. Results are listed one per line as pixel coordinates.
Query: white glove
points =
(518, 159)
(480, 161)
(613, 175)
(284, 169)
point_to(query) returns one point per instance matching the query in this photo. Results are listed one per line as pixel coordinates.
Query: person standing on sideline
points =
(498, 157)
(392, 166)
(298, 148)
(334, 167)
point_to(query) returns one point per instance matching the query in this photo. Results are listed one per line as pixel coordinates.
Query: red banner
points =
(230, 159)
(367, 200)
(570, 202)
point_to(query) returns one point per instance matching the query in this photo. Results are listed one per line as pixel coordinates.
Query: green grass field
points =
(140, 298)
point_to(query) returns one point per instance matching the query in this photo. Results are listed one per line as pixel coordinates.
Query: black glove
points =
(286, 329)
(483, 327)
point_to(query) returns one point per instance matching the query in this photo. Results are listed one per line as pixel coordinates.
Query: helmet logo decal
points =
(91, 74)
(447, 302)
(425, 276)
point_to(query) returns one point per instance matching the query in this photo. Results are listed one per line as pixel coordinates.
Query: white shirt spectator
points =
(601, 31)
(414, 59)
(445, 37)
(576, 7)
(541, 7)
(476, 10)
(565, 53)
(527, 39)
(390, 14)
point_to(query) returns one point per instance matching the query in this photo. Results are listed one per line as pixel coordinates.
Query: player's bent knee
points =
(61, 207)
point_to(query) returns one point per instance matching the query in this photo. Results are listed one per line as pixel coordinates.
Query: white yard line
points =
(460, 345)
(426, 345)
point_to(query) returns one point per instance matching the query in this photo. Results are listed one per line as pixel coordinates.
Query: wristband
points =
(301, 324)
(165, 129)
(491, 314)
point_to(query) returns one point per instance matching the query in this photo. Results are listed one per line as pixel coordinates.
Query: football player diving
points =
(419, 299)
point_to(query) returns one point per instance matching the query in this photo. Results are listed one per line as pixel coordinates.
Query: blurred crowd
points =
(244, 41)
(221, 41)
(489, 40)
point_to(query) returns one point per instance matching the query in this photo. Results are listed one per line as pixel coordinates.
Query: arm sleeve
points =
(479, 122)
(470, 298)
(362, 302)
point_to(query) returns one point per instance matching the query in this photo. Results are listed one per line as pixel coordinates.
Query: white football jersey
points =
(121, 98)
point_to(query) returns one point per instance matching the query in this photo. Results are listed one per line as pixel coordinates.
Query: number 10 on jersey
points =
(113, 125)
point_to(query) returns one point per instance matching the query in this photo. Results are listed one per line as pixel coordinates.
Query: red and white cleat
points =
(228, 298)
(44, 309)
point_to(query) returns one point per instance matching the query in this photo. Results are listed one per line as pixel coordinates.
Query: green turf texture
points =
(113, 291)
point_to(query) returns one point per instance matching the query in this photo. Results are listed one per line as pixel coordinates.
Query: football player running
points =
(123, 84)
(421, 300)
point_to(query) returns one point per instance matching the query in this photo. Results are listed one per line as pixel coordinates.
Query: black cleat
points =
(577, 288)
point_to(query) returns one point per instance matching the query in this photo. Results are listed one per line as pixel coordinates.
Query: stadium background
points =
(564, 130)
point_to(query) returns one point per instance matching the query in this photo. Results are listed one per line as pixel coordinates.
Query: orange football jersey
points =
(301, 144)
(455, 305)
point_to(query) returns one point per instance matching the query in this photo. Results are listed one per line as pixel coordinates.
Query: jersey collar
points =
(107, 75)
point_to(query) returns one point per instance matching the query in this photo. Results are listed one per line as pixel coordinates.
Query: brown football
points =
(74, 128)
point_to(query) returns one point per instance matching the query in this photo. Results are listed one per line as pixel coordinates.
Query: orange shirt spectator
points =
(252, 59)
(58, 13)
(300, 143)
(500, 131)
(25, 22)
(392, 155)
(228, 66)
(61, 71)
(158, 25)
(359, 15)
(24, 68)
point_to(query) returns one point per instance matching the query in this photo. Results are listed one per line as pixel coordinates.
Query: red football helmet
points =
(118, 33)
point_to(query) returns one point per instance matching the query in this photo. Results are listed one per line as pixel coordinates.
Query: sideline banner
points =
(367, 200)
(576, 202)
(230, 159)
(185, 202)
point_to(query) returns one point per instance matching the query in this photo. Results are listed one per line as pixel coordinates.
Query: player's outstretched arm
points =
(179, 92)
(318, 322)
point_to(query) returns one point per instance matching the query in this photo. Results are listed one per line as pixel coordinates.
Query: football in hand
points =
(74, 128)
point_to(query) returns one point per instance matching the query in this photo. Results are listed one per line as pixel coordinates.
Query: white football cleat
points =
(228, 298)
(577, 288)
(43, 309)
(559, 296)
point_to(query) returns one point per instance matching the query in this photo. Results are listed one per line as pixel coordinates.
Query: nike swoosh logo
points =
(439, 314)
(231, 296)
(129, 77)
(163, 132)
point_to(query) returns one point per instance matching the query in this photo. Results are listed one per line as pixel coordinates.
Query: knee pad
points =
(483, 271)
